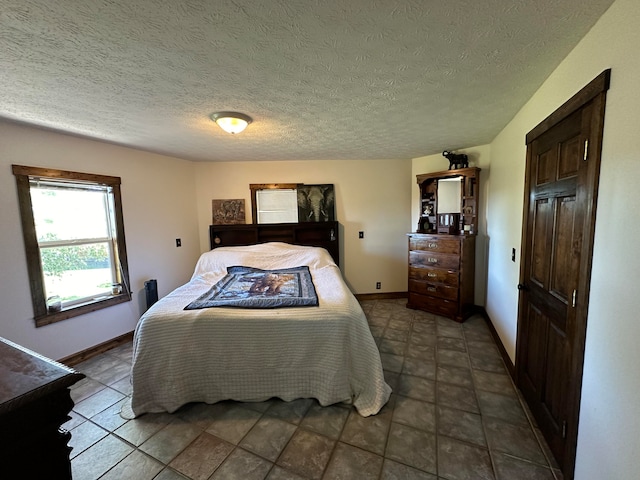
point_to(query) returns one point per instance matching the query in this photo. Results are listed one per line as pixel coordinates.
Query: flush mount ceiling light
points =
(231, 122)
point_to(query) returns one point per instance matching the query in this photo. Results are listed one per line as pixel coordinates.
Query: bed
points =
(212, 354)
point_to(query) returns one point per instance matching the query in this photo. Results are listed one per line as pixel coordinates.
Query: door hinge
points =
(564, 429)
(573, 299)
(586, 150)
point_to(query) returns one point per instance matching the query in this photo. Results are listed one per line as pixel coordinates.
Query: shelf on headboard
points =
(311, 234)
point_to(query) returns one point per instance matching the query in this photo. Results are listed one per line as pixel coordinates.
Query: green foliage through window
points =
(57, 260)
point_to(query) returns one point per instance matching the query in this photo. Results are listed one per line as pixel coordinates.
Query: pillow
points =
(268, 256)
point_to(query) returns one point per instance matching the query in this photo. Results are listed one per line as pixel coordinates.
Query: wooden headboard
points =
(310, 234)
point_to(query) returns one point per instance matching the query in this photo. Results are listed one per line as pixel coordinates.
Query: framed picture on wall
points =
(316, 203)
(228, 212)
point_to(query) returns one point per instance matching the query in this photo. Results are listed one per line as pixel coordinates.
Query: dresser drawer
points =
(434, 275)
(428, 259)
(435, 244)
(433, 289)
(439, 306)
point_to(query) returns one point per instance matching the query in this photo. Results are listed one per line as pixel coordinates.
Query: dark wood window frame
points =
(42, 315)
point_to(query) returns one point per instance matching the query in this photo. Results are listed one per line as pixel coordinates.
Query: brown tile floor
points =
(454, 415)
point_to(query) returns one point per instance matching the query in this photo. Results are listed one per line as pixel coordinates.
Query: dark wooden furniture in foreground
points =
(310, 234)
(442, 250)
(34, 403)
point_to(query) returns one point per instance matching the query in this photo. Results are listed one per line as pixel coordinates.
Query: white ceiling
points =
(350, 79)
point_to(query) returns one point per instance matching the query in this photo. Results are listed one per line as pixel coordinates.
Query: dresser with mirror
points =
(442, 249)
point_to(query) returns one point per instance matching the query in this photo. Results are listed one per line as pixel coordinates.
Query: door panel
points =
(542, 219)
(561, 268)
(533, 370)
(546, 166)
(570, 155)
(554, 398)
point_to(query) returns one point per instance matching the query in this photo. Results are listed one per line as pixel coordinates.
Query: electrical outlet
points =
(178, 242)
(360, 234)
(378, 285)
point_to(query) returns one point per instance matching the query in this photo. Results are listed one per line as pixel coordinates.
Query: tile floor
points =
(454, 415)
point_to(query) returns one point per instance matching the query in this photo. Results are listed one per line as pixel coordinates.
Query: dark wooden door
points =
(563, 156)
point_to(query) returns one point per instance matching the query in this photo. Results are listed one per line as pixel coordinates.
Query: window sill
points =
(81, 309)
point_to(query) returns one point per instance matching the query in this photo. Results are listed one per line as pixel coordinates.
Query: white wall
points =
(158, 207)
(371, 196)
(478, 157)
(609, 431)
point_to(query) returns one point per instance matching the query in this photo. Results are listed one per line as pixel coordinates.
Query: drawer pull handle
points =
(431, 289)
(432, 245)
(432, 260)
(432, 275)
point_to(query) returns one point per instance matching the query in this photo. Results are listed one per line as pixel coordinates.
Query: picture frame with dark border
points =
(228, 212)
(316, 203)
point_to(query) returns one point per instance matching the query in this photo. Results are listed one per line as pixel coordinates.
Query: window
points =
(277, 206)
(74, 240)
(274, 202)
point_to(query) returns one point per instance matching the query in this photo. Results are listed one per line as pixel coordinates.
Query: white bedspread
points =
(325, 352)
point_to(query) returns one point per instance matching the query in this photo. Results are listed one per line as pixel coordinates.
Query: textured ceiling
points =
(351, 79)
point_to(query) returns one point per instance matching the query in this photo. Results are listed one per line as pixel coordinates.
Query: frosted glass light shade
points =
(231, 122)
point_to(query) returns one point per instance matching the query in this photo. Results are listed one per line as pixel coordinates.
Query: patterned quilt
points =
(248, 287)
